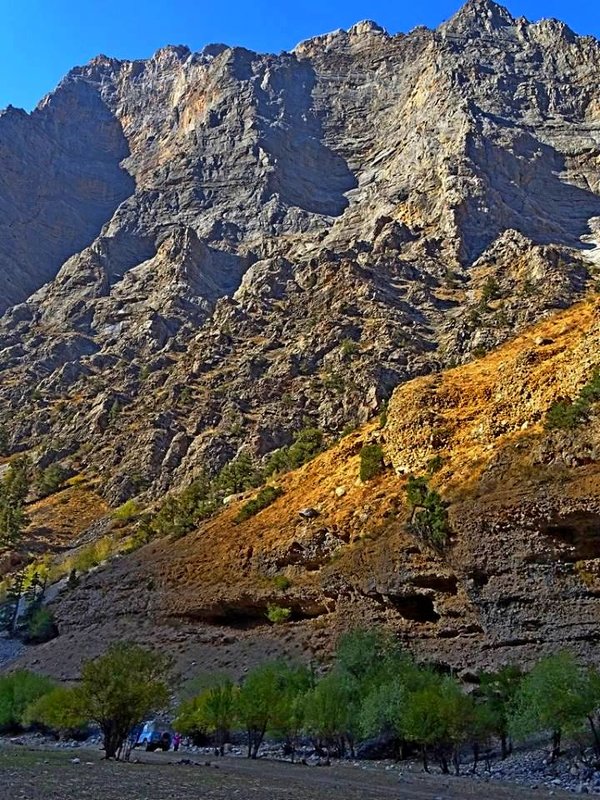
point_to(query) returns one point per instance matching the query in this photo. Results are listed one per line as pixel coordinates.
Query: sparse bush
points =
(490, 290)
(435, 464)
(349, 348)
(371, 461)
(90, 556)
(566, 415)
(430, 517)
(278, 614)
(4, 440)
(281, 582)
(41, 627)
(333, 381)
(114, 412)
(264, 498)
(238, 476)
(383, 414)
(127, 512)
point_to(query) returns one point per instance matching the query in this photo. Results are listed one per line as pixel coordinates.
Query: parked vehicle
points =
(153, 737)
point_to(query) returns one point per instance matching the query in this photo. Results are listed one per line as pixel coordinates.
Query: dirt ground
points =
(29, 774)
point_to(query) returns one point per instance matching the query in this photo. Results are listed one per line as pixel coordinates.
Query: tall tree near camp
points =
(118, 691)
(555, 696)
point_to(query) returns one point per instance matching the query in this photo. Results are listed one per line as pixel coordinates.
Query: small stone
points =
(308, 513)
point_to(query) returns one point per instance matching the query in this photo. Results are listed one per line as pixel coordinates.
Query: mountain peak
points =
(366, 26)
(479, 15)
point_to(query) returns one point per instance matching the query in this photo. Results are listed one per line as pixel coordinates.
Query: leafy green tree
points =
(17, 692)
(306, 445)
(16, 481)
(592, 688)
(265, 497)
(331, 710)
(41, 626)
(55, 710)
(377, 675)
(555, 696)
(497, 691)
(213, 711)
(238, 475)
(440, 718)
(288, 722)
(259, 702)
(382, 711)
(490, 290)
(13, 521)
(14, 488)
(567, 415)
(179, 514)
(189, 719)
(10, 612)
(118, 691)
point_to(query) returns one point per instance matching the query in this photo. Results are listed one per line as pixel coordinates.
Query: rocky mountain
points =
(202, 254)
(520, 576)
(228, 246)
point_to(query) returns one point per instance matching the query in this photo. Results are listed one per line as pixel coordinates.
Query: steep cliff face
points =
(519, 577)
(60, 180)
(230, 219)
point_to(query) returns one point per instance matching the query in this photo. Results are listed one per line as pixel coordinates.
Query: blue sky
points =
(40, 40)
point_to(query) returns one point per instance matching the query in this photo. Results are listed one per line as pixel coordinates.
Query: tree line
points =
(373, 689)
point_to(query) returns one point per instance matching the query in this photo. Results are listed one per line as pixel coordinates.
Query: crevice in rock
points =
(446, 584)
(415, 607)
(577, 535)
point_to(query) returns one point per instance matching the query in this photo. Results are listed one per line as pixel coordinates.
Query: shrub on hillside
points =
(51, 479)
(429, 515)
(4, 440)
(307, 444)
(127, 512)
(371, 461)
(567, 415)
(263, 499)
(278, 614)
(41, 627)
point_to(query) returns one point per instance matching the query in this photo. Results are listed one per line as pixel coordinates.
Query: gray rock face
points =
(253, 242)
(60, 180)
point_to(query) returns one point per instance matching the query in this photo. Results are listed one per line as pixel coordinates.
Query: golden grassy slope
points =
(470, 414)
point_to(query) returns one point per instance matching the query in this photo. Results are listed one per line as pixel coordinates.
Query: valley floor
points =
(47, 774)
